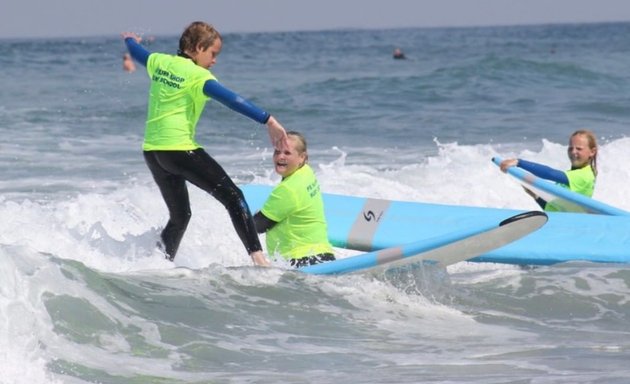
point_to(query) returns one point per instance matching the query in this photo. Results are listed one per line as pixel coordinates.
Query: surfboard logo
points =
(370, 215)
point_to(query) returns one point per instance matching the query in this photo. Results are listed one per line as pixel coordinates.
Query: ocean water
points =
(85, 298)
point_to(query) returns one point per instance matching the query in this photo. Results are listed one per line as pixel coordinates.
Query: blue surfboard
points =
(443, 250)
(563, 198)
(367, 224)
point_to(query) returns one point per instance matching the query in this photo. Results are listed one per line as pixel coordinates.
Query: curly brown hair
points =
(198, 34)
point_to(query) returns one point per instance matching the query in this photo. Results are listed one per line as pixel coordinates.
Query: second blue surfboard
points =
(564, 198)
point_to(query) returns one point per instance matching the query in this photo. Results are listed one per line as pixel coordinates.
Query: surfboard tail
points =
(444, 250)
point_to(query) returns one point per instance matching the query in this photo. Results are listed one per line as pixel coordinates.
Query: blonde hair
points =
(197, 34)
(300, 141)
(592, 144)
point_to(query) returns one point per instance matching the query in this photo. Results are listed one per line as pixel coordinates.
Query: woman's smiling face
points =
(290, 158)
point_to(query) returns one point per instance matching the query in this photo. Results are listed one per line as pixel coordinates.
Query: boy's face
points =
(208, 57)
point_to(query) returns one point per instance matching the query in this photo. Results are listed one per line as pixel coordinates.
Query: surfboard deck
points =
(367, 224)
(565, 199)
(442, 250)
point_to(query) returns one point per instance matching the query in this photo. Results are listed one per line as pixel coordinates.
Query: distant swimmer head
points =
(398, 54)
(128, 64)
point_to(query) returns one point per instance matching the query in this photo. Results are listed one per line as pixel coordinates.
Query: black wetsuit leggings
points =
(171, 170)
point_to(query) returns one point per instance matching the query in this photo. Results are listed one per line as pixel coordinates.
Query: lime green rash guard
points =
(176, 101)
(581, 180)
(296, 205)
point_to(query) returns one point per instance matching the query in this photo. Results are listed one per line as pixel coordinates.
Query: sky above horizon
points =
(77, 18)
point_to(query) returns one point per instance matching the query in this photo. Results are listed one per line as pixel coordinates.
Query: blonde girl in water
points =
(582, 152)
(293, 215)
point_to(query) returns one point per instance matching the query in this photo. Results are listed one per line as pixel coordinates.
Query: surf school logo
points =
(167, 78)
(370, 215)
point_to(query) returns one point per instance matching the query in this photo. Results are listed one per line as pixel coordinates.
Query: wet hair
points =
(592, 144)
(197, 34)
(301, 145)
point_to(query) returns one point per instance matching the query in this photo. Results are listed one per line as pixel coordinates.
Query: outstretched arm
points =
(539, 170)
(217, 91)
(137, 51)
(544, 171)
(277, 133)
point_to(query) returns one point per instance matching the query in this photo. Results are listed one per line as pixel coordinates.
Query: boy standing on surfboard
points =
(180, 87)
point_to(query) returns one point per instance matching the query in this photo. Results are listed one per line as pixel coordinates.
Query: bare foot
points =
(259, 259)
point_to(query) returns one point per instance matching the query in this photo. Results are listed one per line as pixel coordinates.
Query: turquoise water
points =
(85, 298)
